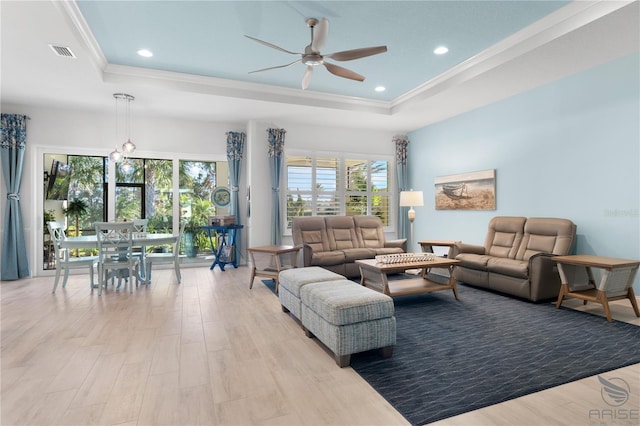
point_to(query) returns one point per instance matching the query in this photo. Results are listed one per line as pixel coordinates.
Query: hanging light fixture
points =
(126, 167)
(128, 147)
(116, 155)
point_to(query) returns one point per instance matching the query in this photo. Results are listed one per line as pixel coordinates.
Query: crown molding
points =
(73, 14)
(559, 23)
(236, 89)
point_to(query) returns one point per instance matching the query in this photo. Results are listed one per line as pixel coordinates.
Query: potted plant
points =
(191, 230)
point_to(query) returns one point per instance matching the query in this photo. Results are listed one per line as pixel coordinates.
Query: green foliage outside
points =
(87, 183)
(76, 209)
(197, 182)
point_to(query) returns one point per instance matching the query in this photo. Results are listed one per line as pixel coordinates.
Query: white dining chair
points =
(115, 253)
(64, 261)
(173, 256)
(140, 227)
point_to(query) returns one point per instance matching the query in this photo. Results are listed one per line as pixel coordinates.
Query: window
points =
(324, 185)
(87, 182)
(130, 190)
(158, 195)
(198, 180)
(145, 190)
(367, 188)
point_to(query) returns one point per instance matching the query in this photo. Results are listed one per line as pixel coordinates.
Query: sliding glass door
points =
(76, 187)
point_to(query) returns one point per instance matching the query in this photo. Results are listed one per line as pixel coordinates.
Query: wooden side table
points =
(578, 280)
(275, 264)
(428, 245)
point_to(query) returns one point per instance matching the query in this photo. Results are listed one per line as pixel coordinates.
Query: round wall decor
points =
(221, 197)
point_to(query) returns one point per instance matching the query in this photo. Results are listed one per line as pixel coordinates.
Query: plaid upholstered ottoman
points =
(292, 280)
(348, 318)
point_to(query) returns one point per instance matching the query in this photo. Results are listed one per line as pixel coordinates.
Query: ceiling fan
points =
(312, 56)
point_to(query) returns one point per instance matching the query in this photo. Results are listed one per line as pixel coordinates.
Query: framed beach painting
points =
(466, 191)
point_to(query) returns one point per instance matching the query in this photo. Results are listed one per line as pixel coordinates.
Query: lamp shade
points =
(411, 198)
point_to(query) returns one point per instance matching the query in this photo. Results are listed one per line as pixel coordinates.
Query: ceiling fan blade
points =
(273, 68)
(307, 77)
(343, 72)
(348, 55)
(272, 45)
(321, 31)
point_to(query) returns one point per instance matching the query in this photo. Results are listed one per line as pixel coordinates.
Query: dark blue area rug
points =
(457, 356)
(271, 285)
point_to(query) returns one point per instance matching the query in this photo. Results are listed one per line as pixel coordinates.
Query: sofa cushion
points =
(313, 239)
(370, 237)
(341, 232)
(351, 255)
(473, 261)
(511, 267)
(546, 235)
(387, 250)
(369, 231)
(504, 236)
(311, 231)
(327, 258)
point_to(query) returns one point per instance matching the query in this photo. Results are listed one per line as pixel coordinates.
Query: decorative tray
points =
(405, 258)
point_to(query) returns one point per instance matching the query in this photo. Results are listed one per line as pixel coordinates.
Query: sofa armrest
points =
(307, 254)
(399, 243)
(544, 277)
(460, 247)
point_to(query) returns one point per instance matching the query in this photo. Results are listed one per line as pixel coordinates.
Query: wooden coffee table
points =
(375, 275)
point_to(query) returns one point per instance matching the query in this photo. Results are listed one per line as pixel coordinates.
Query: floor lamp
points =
(410, 199)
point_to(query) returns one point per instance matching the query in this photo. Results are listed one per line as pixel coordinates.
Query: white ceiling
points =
(201, 59)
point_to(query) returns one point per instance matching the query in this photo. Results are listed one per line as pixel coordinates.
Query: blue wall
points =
(568, 149)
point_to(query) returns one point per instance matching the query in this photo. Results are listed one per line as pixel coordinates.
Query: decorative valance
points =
(402, 143)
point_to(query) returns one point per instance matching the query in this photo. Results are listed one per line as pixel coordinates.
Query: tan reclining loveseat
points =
(336, 242)
(517, 256)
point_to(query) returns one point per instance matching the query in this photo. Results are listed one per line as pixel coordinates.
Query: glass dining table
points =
(141, 240)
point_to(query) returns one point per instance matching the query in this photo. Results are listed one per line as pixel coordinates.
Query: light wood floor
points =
(210, 351)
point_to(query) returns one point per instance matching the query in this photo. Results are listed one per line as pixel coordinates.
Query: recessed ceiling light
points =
(440, 50)
(380, 89)
(146, 53)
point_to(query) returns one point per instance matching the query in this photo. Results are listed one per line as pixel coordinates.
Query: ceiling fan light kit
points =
(312, 56)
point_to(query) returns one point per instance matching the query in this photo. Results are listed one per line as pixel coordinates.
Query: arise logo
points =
(615, 392)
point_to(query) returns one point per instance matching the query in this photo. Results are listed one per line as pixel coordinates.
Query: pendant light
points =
(128, 147)
(126, 167)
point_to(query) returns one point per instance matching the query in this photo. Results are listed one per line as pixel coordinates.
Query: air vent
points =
(62, 51)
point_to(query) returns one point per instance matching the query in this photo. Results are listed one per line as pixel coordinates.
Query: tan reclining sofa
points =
(517, 256)
(336, 242)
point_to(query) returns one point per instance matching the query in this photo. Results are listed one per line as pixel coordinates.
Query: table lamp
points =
(409, 199)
